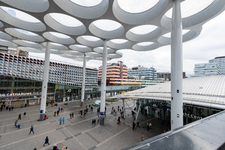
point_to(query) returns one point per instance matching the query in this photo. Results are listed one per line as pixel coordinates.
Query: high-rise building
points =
(141, 72)
(221, 63)
(206, 69)
(116, 74)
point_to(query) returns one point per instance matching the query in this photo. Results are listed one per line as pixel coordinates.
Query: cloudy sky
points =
(209, 44)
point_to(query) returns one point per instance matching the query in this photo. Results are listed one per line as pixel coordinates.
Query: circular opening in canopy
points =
(145, 43)
(191, 7)
(137, 6)
(26, 32)
(87, 3)
(168, 35)
(59, 35)
(119, 41)
(143, 29)
(90, 38)
(107, 25)
(66, 20)
(20, 15)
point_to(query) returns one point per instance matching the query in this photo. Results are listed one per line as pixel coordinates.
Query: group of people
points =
(6, 107)
(61, 120)
(85, 111)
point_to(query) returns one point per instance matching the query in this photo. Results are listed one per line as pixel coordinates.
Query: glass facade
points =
(142, 73)
(221, 63)
(215, 66)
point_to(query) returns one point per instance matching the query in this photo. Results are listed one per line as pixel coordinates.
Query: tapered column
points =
(103, 84)
(176, 68)
(83, 83)
(45, 82)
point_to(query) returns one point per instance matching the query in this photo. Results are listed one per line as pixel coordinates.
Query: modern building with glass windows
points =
(141, 72)
(215, 66)
(221, 63)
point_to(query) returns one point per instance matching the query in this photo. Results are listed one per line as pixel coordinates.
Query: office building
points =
(141, 72)
(206, 69)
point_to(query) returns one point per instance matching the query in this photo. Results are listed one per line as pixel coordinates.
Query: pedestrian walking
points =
(63, 120)
(150, 126)
(133, 124)
(57, 112)
(46, 141)
(54, 113)
(70, 115)
(138, 124)
(31, 129)
(60, 121)
(35, 148)
(24, 114)
(81, 113)
(118, 121)
(91, 108)
(55, 147)
(142, 138)
(19, 118)
(118, 108)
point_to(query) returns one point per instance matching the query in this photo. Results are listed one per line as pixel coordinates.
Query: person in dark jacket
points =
(55, 147)
(31, 129)
(46, 141)
(19, 118)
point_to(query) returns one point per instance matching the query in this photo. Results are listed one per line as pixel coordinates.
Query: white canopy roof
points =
(126, 24)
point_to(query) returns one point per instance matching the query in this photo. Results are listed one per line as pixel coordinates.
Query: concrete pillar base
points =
(42, 117)
(81, 104)
(101, 120)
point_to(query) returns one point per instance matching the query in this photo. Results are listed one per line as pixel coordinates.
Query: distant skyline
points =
(208, 45)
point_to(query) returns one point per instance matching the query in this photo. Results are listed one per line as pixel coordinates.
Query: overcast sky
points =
(209, 44)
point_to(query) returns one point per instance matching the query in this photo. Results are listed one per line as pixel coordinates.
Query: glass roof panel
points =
(20, 15)
(107, 25)
(191, 7)
(59, 35)
(66, 20)
(136, 6)
(87, 3)
(143, 29)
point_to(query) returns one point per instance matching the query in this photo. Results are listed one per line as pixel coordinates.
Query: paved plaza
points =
(77, 133)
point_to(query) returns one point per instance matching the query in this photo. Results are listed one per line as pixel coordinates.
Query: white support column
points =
(83, 83)
(138, 111)
(103, 83)
(45, 82)
(176, 68)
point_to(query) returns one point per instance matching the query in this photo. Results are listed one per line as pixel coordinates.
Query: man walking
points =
(31, 129)
(24, 114)
(19, 118)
